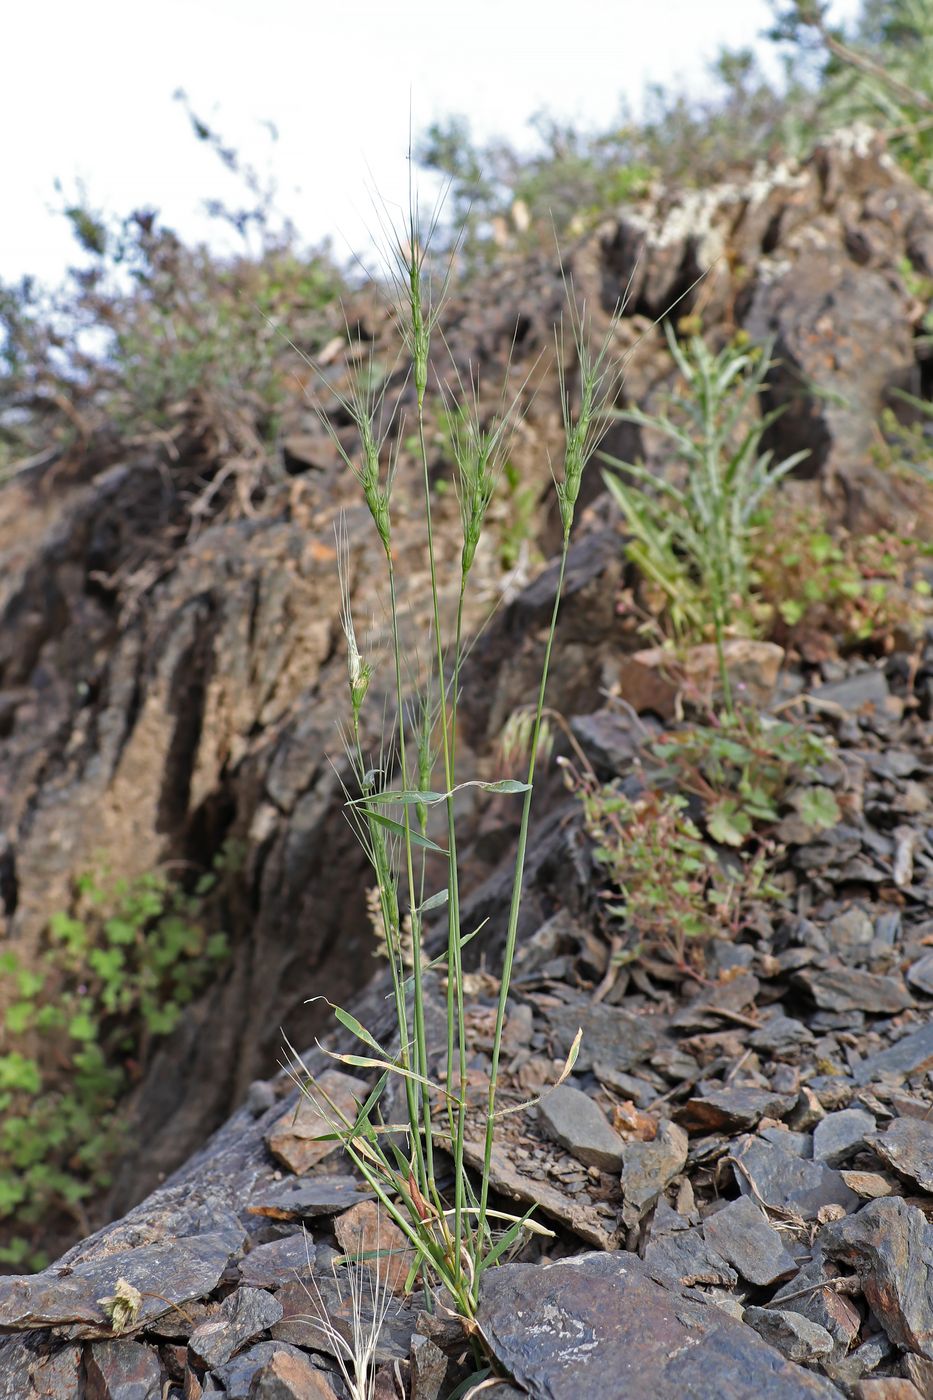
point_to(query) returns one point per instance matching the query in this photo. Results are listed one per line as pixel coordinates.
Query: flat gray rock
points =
(909, 1055)
(738, 1106)
(239, 1375)
(243, 1316)
(848, 989)
(648, 1167)
(290, 1375)
(178, 1271)
(920, 974)
(868, 687)
(686, 1258)
(599, 1326)
(707, 1011)
(278, 1262)
(24, 1375)
(576, 1121)
(741, 1233)
(782, 1181)
(839, 1135)
(123, 1370)
(792, 1333)
(615, 1037)
(808, 1295)
(305, 1198)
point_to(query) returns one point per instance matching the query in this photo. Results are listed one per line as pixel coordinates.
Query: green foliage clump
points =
(675, 893)
(742, 770)
(115, 976)
(692, 854)
(855, 590)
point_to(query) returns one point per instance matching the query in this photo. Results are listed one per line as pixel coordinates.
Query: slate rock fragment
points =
(847, 1370)
(365, 1232)
(122, 1370)
(576, 1121)
(178, 1270)
(732, 1108)
(907, 1056)
(428, 1368)
(868, 687)
(920, 974)
(304, 1304)
(648, 1167)
(278, 1261)
(243, 1315)
(786, 1140)
(598, 1325)
(792, 1333)
(781, 1038)
(920, 1371)
(839, 1135)
(812, 1294)
(236, 1376)
(850, 989)
(741, 1233)
(889, 1244)
(725, 999)
(290, 1375)
(907, 1146)
(53, 1374)
(886, 1388)
(781, 1181)
(308, 1198)
(686, 1257)
(871, 1185)
(612, 1036)
(299, 1138)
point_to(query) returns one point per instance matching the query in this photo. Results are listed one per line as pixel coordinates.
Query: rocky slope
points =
(166, 687)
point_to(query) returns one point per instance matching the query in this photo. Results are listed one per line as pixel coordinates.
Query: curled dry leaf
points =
(630, 1123)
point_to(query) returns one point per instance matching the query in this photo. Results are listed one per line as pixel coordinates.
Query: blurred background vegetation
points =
(145, 327)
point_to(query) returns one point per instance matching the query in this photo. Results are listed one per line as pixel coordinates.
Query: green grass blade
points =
(415, 837)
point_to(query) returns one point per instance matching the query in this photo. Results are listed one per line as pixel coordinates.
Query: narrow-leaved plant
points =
(455, 1233)
(692, 532)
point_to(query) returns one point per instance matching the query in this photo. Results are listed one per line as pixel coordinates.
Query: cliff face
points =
(167, 685)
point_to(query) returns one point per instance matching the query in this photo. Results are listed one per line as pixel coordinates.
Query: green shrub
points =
(115, 976)
(688, 858)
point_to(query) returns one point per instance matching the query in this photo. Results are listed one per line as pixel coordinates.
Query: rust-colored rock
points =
(365, 1229)
(295, 1139)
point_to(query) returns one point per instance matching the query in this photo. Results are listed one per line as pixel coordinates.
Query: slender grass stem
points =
(455, 1006)
(424, 1152)
(515, 905)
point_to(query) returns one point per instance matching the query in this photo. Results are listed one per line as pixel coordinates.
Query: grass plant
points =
(692, 534)
(370, 1300)
(456, 1234)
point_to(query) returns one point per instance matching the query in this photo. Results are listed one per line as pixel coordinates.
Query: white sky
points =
(87, 95)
